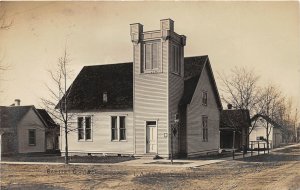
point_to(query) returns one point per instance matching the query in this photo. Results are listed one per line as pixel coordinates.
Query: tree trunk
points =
(66, 144)
(268, 137)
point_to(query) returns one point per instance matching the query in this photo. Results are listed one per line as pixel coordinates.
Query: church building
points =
(137, 108)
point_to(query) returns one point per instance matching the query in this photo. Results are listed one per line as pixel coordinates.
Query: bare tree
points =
(289, 119)
(271, 105)
(5, 24)
(57, 104)
(241, 90)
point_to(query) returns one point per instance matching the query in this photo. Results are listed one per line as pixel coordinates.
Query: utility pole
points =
(233, 147)
(172, 144)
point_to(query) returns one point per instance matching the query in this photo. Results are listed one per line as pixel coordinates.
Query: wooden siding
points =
(195, 111)
(151, 101)
(101, 134)
(275, 137)
(176, 88)
(31, 121)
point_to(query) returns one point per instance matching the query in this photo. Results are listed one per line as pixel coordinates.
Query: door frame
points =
(145, 135)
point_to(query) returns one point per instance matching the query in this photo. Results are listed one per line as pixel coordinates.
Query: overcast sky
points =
(260, 35)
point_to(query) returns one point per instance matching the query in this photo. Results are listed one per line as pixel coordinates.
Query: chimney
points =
(229, 106)
(17, 102)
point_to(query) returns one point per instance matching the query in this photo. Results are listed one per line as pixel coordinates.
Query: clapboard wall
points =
(195, 111)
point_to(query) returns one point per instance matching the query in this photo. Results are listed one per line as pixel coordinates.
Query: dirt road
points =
(279, 170)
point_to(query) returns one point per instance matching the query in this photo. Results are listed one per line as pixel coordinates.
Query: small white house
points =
(130, 108)
(259, 133)
(26, 129)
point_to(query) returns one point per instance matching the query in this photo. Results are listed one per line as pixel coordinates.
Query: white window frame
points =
(84, 128)
(118, 128)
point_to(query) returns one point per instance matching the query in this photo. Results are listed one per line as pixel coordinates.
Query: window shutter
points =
(148, 49)
(154, 55)
(172, 58)
(176, 59)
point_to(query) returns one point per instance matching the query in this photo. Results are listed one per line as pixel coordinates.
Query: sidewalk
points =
(145, 162)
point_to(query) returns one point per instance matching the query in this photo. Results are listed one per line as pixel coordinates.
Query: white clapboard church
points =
(129, 108)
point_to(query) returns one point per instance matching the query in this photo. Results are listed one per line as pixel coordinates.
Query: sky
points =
(263, 36)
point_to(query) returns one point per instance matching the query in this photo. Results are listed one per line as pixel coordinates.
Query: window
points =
(31, 137)
(84, 127)
(118, 128)
(80, 128)
(88, 128)
(122, 128)
(104, 97)
(204, 98)
(176, 59)
(260, 138)
(204, 128)
(114, 128)
(151, 59)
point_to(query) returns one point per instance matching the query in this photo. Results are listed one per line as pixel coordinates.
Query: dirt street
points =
(279, 170)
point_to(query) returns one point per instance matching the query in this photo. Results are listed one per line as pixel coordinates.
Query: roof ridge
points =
(194, 56)
(108, 64)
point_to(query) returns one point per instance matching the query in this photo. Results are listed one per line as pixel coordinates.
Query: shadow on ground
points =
(73, 159)
(288, 154)
(32, 187)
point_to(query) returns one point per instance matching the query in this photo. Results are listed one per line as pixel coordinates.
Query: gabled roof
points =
(189, 89)
(86, 92)
(193, 67)
(88, 88)
(268, 119)
(235, 119)
(47, 119)
(11, 116)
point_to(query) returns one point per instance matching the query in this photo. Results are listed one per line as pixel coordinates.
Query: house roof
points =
(87, 89)
(86, 92)
(193, 67)
(46, 117)
(235, 119)
(268, 119)
(11, 116)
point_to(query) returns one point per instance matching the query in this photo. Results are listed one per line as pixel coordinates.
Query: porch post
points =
(233, 142)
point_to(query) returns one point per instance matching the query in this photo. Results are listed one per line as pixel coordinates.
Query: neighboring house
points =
(52, 131)
(129, 108)
(234, 128)
(259, 132)
(24, 129)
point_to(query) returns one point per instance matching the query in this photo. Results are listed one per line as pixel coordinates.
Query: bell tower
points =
(158, 73)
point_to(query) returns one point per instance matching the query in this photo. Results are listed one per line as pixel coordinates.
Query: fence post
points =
(251, 148)
(233, 143)
(258, 149)
(264, 148)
